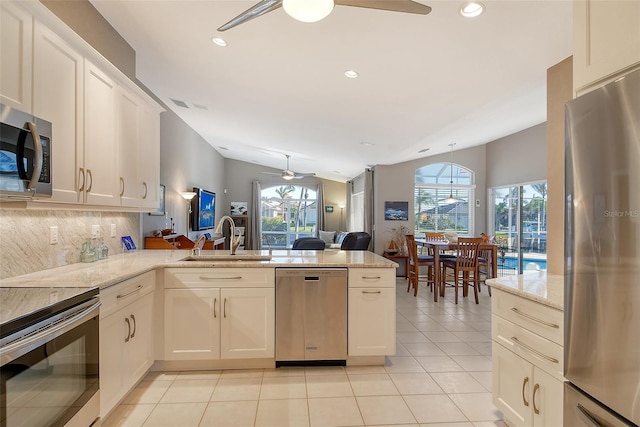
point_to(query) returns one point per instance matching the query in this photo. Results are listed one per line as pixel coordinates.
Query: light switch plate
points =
(53, 235)
(95, 231)
(113, 230)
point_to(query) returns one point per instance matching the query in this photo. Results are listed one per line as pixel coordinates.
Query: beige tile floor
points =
(439, 376)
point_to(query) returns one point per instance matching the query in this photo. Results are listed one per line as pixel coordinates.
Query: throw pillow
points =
(327, 236)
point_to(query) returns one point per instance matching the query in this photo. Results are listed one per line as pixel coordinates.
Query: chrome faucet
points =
(234, 243)
(198, 245)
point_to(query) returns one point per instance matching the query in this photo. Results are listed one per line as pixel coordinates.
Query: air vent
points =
(180, 103)
(202, 107)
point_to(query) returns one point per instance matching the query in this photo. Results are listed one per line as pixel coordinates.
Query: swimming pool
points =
(511, 263)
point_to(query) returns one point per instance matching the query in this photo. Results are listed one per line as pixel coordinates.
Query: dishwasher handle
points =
(311, 278)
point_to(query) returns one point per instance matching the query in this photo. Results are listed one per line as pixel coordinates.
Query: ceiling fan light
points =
(471, 9)
(287, 177)
(308, 10)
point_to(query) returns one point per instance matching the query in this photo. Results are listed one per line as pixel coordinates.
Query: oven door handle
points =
(23, 346)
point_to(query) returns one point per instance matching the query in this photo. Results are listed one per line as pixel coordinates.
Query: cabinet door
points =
(113, 332)
(16, 65)
(606, 38)
(372, 323)
(192, 324)
(547, 400)
(58, 98)
(139, 349)
(248, 323)
(149, 158)
(128, 119)
(100, 148)
(513, 383)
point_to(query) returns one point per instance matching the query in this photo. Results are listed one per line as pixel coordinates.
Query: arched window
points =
(288, 212)
(444, 195)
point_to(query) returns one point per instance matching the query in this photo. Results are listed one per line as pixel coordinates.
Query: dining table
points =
(440, 246)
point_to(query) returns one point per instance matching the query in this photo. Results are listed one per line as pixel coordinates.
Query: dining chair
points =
(465, 262)
(415, 262)
(438, 237)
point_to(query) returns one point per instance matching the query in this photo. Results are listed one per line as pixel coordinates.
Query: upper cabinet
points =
(105, 129)
(606, 41)
(16, 65)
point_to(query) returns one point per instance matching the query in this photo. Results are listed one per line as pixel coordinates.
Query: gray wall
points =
(518, 158)
(397, 182)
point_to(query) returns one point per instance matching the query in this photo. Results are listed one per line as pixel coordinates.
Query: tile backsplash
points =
(24, 237)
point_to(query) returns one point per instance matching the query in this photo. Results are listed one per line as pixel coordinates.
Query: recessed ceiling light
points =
(366, 144)
(351, 74)
(223, 148)
(424, 150)
(219, 41)
(471, 9)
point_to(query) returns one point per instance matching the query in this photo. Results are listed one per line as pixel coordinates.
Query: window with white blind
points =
(443, 196)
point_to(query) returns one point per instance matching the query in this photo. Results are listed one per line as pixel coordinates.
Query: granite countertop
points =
(121, 267)
(547, 289)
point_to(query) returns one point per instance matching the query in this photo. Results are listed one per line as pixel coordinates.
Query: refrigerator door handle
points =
(586, 416)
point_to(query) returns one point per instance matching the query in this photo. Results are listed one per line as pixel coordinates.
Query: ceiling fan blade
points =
(273, 173)
(265, 6)
(303, 175)
(407, 6)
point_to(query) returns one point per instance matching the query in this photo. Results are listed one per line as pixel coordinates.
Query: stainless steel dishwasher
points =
(311, 316)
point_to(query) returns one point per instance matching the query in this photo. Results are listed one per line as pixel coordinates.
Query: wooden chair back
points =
(412, 247)
(467, 253)
(438, 237)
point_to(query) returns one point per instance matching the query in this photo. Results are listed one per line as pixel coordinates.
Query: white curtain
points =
(320, 208)
(256, 216)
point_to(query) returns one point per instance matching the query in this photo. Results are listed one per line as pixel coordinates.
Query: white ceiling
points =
(425, 80)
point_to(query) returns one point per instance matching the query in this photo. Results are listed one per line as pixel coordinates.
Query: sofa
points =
(346, 241)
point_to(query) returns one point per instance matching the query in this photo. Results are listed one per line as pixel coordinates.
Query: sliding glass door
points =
(519, 217)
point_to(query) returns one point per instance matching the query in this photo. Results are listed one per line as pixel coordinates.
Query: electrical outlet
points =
(53, 235)
(113, 230)
(95, 231)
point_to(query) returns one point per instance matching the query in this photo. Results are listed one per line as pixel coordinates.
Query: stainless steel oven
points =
(49, 358)
(25, 155)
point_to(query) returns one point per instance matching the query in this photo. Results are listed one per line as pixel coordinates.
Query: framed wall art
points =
(396, 211)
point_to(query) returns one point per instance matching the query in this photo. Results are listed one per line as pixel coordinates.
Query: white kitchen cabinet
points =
(192, 324)
(606, 41)
(16, 64)
(149, 158)
(99, 181)
(126, 337)
(527, 361)
(372, 312)
(128, 120)
(58, 97)
(221, 313)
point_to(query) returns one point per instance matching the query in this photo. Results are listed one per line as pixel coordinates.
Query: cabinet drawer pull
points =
(533, 399)
(225, 308)
(586, 417)
(533, 350)
(371, 277)
(524, 385)
(121, 186)
(371, 292)
(129, 293)
(146, 190)
(133, 334)
(126, 320)
(215, 302)
(535, 319)
(220, 278)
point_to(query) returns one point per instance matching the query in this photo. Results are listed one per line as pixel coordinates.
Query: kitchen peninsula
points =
(216, 313)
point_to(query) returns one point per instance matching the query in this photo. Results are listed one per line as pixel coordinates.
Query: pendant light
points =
(451, 199)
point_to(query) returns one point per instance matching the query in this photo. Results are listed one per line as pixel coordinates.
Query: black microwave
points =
(25, 155)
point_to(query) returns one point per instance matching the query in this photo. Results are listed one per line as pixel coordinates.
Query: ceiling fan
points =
(288, 174)
(315, 10)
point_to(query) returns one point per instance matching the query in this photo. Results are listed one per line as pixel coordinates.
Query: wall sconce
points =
(187, 196)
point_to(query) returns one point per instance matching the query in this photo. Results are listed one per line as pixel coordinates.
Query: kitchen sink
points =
(227, 257)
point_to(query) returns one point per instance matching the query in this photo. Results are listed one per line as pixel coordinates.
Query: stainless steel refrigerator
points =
(602, 256)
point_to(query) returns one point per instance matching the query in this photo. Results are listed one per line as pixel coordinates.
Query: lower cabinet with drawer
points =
(372, 312)
(126, 337)
(219, 313)
(527, 361)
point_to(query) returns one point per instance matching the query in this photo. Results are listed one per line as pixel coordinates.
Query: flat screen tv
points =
(204, 209)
